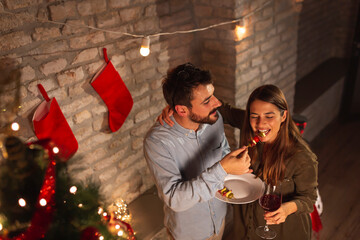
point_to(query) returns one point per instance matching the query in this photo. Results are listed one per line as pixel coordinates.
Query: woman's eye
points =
(269, 117)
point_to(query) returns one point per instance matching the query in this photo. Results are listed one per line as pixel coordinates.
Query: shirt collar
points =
(188, 132)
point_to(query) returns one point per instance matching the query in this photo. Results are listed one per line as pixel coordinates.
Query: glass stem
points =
(266, 228)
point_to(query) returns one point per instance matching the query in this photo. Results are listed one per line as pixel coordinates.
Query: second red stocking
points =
(113, 91)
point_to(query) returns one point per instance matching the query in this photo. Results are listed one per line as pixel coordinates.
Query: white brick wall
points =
(65, 58)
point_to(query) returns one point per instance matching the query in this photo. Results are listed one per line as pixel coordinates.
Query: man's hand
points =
(165, 116)
(237, 162)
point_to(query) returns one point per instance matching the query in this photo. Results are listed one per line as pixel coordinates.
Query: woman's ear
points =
(284, 116)
(181, 110)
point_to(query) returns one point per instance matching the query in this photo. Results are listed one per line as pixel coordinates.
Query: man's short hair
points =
(180, 81)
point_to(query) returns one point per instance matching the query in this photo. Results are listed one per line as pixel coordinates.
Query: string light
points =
(101, 237)
(43, 202)
(144, 51)
(120, 210)
(145, 47)
(105, 216)
(15, 126)
(55, 150)
(100, 210)
(22, 202)
(73, 189)
(240, 30)
(120, 233)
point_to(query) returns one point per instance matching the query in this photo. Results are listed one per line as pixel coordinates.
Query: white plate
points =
(246, 188)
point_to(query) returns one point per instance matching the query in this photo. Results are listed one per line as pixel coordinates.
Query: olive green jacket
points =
(299, 186)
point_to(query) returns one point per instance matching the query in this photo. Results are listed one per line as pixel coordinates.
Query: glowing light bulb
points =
(15, 126)
(73, 189)
(104, 214)
(101, 238)
(22, 202)
(145, 47)
(100, 210)
(1, 227)
(43, 202)
(80, 205)
(117, 226)
(55, 150)
(120, 233)
(240, 29)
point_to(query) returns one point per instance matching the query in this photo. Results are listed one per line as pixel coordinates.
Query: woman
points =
(282, 157)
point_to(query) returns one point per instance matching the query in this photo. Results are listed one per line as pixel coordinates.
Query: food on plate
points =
(226, 193)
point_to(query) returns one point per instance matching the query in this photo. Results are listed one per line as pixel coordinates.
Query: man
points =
(190, 160)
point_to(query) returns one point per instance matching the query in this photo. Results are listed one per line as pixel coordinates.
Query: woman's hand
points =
(165, 116)
(280, 215)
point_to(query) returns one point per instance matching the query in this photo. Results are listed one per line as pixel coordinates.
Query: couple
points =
(189, 157)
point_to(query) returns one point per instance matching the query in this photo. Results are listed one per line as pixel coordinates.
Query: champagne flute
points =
(270, 201)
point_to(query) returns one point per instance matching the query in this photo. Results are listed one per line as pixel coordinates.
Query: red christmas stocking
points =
(50, 123)
(111, 88)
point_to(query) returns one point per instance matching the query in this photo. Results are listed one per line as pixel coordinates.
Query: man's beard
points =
(207, 119)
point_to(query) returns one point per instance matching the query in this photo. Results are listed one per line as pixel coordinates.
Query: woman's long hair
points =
(274, 155)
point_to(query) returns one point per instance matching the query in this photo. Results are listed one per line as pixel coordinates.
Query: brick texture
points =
(280, 45)
(326, 29)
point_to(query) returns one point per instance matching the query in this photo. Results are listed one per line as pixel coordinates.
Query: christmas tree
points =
(38, 198)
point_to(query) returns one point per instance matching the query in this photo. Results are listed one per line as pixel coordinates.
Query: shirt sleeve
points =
(305, 178)
(225, 146)
(232, 115)
(177, 193)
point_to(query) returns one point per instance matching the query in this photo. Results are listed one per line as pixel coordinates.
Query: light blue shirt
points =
(185, 166)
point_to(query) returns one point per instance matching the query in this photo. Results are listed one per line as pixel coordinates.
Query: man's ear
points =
(181, 110)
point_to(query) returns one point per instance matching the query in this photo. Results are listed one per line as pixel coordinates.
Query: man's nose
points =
(217, 103)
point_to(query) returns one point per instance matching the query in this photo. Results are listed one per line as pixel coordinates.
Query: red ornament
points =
(90, 233)
(106, 217)
(123, 225)
(131, 234)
